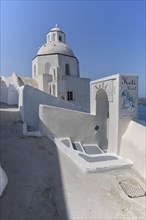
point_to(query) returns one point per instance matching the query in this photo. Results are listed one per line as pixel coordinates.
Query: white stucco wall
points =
(79, 126)
(40, 62)
(42, 81)
(133, 146)
(35, 67)
(73, 64)
(3, 92)
(8, 89)
(81, 91)
(12, 95)
(29, 100)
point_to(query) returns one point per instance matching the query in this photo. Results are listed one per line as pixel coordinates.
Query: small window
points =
(60, 38)
(67, 69)
(69, 96)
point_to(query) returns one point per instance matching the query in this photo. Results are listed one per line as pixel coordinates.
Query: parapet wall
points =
(8, 90)
(79, 126)
(29, 101)
(133, 146)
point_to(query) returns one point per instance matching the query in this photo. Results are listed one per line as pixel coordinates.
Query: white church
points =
(56, 70)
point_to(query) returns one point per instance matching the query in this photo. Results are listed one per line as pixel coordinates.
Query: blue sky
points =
(108, 37)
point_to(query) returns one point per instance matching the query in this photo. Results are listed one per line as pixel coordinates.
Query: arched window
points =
(67, 69)
(60, 38)
(54, 74)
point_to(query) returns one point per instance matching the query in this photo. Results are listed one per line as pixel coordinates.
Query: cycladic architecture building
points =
(56, 70)
(93, 122)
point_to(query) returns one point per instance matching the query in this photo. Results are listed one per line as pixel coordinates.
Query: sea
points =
(142, 112)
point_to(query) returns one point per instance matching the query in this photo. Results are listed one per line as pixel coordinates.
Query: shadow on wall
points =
(35, 185)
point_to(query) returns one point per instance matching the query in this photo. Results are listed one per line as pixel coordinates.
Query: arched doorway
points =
(102, 114)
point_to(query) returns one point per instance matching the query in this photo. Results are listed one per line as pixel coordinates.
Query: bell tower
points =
(56, 35)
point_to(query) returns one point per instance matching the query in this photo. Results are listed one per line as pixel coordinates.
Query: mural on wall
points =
(107, 86)
(128, 96)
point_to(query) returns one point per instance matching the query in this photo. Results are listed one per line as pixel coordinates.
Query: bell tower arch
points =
(56, 35)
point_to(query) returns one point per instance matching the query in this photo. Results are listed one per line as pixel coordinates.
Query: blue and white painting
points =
(128, 101)
(129, 95)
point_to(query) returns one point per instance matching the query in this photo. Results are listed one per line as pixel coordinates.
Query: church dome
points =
(55, 48)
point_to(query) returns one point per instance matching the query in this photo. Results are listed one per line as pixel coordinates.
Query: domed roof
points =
(55, 47)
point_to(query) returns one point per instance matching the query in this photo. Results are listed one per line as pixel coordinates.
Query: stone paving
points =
(44, 184)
